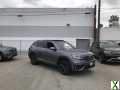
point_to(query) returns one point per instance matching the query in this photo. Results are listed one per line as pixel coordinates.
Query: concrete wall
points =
(48, 20)
(51, 31)
(47, 17)
(43, 23)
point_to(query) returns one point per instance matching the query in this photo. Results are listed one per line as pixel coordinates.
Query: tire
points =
(102, 59)
(1, 57)
(33, 59)
(64, 67)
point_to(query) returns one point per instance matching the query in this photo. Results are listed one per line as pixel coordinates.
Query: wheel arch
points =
(32, 53)
(1, 53)
(63, 58)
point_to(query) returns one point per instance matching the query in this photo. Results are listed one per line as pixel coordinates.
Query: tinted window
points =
(49, 44)
(39, 44)
(63, 45)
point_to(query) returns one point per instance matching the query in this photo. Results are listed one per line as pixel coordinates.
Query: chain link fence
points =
(22, 46)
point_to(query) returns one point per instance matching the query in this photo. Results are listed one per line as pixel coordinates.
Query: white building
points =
(110, 33)
(19, 27)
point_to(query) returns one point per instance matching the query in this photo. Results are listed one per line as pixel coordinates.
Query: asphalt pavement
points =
(19, 74)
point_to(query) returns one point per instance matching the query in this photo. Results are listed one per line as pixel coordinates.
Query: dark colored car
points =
(7, 53)
(109, 51)
(62, 54)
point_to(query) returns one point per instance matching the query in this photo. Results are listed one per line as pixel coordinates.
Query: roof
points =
(44, 11)
(49, 40)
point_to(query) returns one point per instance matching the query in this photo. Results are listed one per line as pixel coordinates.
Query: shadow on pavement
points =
(9, 60)
(113, 63)
(54, 69)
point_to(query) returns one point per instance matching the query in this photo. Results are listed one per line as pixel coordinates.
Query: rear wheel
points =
(34, 60)
(64, 67)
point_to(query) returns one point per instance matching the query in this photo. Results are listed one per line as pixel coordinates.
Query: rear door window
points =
(49, 45)
(39, 44)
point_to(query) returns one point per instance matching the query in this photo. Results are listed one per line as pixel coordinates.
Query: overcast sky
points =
(65, 4)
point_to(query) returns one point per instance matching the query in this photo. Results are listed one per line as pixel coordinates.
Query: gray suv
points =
(62, 54)
(109, 51)
(7, 53)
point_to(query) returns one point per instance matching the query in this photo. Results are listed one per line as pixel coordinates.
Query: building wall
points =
(45, 31)
(44, 23)
(47, 20)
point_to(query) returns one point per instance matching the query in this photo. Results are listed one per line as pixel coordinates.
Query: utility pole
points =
(99, 26)
(95, 31)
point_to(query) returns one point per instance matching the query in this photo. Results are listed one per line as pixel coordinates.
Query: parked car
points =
(62, 54)
(7, 53)
(109, 51)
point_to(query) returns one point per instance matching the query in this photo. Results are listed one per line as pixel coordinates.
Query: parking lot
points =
(19, 74)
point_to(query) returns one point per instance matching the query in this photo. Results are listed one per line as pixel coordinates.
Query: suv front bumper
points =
(83, 65)
(112, 58)
(10, 54)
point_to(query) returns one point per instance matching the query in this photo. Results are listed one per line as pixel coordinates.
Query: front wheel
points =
(64, 67)
(102, 59)
(1, 57)
(34, 60)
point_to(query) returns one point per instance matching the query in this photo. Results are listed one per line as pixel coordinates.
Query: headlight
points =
(74, 56)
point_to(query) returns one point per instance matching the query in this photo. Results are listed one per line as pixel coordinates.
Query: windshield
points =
(63, 45)
(109, 44)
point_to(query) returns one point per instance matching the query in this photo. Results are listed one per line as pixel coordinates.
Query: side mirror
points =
(52, 48)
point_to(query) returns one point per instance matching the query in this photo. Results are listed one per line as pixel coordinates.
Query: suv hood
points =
(113, 49)
(5, 48)
(78, 52)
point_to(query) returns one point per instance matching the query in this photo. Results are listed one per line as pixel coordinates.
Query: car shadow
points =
(47, 66)
(9, 60)
(55, 69)
(110, 63)
(83, 73)
(113, 63)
